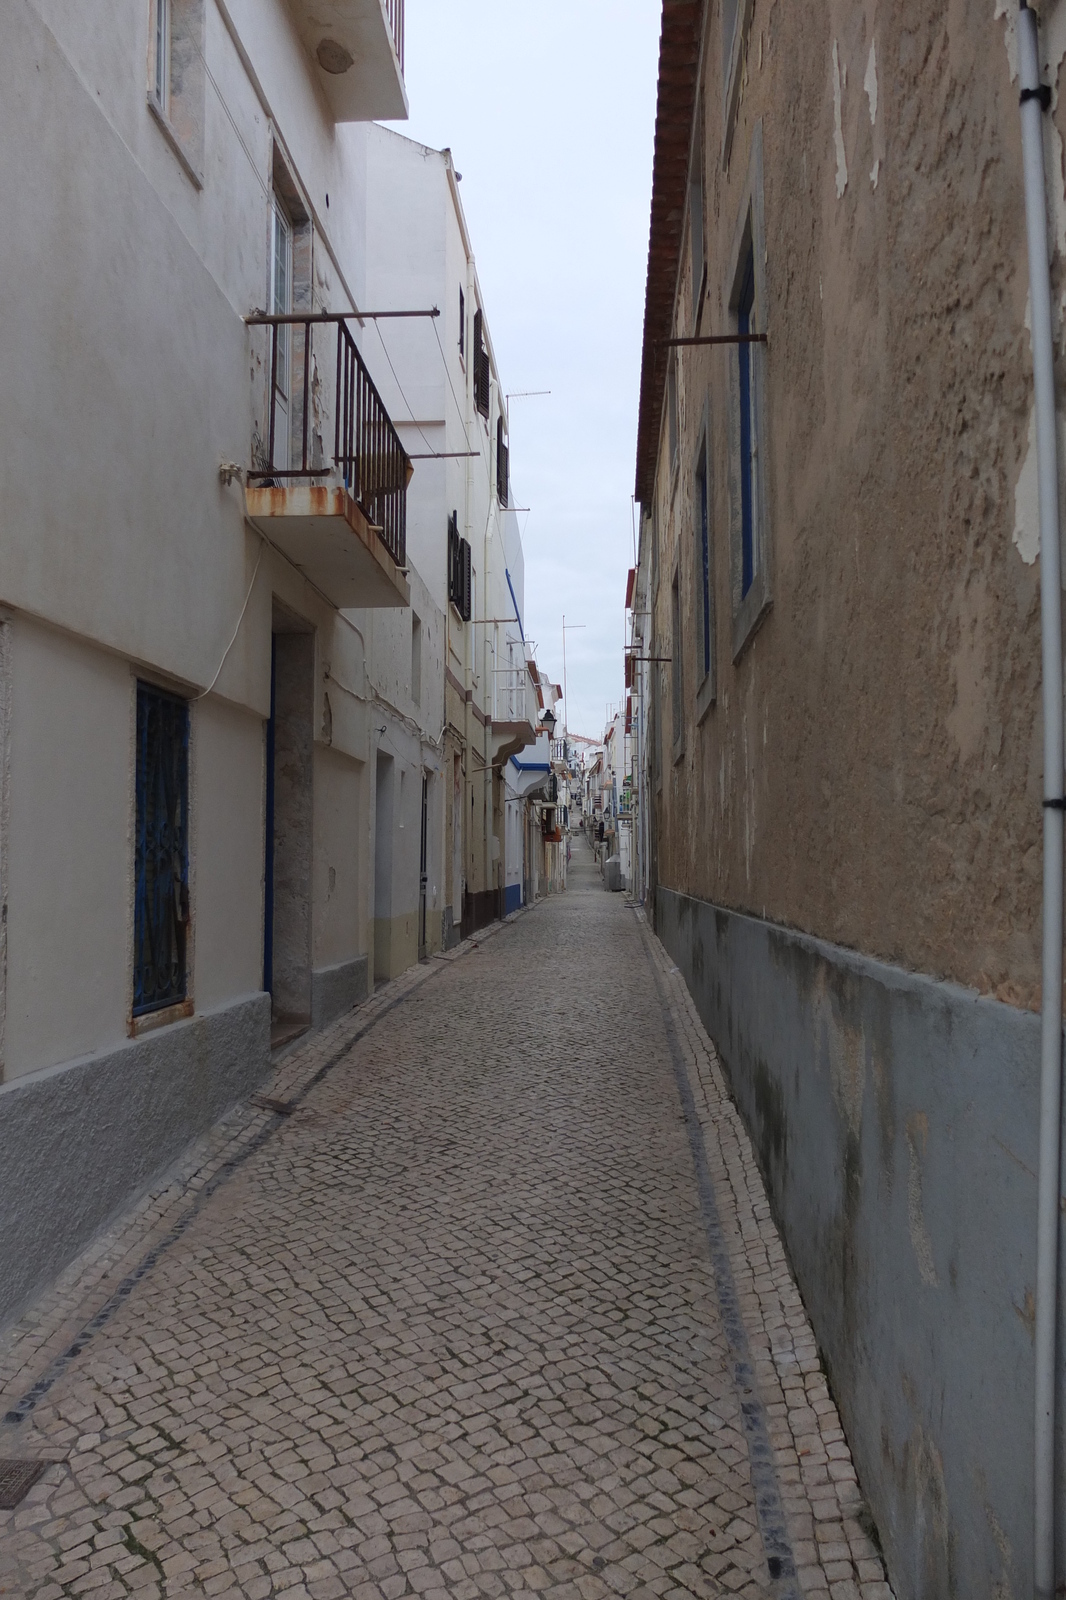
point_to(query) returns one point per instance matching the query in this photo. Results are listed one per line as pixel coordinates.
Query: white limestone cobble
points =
(452, 1328)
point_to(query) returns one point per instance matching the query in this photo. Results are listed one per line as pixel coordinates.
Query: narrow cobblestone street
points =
(483, 1310)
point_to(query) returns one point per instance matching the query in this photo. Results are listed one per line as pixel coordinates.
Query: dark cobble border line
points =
(773, 1526)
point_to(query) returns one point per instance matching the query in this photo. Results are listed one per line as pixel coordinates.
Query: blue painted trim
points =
(512, 898)
(747, 510)
(530, 766)
(514, 602)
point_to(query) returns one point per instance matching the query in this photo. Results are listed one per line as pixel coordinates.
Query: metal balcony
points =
(329, 475)
(357, 50)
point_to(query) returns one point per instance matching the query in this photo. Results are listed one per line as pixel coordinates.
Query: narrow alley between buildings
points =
(448, 1310)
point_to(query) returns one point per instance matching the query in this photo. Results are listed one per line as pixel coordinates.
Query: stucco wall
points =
(871, 769)
(69, 849)
(895, 1119)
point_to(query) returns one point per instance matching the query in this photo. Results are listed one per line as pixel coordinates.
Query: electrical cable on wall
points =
(399, 385)
(240, 619)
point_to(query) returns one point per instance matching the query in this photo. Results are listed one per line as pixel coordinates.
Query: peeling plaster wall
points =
(871, 769)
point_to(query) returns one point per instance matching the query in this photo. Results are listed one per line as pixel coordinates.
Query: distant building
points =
(440, 382)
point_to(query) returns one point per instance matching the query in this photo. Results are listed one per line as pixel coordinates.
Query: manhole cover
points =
(17, 1478)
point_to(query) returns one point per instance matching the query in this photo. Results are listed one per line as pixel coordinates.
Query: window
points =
(729, 28)
(416, 659)
(656, 728)
(697, 245)
(162, 56)
(502, 463)
(176, 78)
(676, 665)
(671, 407)
(482, 372)
(460, 581)
(462, 325)
(703, 566)
(736, 26)
(654, 522)
(279, 298)
(161, 854)
(749, 431)
(749, 519)
(281, 286)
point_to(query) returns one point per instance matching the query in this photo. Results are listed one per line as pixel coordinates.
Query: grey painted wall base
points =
(78, 1142)
(895, 1121)
(335, 990)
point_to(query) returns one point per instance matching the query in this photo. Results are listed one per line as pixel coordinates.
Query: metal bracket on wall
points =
(718, 338)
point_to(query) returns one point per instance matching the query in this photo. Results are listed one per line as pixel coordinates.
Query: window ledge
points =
(679, 751)
(750, 614)
(170, 133)
(706, 697)
(151, 1020)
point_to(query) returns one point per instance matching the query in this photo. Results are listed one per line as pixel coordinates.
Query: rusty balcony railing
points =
(314, 370)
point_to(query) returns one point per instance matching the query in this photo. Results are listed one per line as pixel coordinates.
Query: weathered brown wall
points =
(871, 770)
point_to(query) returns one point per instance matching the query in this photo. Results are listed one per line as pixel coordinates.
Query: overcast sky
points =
(549, 109)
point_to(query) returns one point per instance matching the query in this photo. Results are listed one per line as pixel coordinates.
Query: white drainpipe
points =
(1034, 101)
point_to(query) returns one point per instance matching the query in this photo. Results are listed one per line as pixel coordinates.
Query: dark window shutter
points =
(465, 607)
(161, 853)
(482, 374)
(462, 323)
(458, 569)
(501, 464)
(455, 581)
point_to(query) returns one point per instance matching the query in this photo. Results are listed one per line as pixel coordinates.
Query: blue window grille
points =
(745, 308)
(161, 906)
(704, 557)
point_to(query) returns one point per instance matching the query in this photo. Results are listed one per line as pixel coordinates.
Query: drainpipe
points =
(1035, 99)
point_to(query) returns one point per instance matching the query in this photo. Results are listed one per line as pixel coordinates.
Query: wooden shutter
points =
(502, 464)
(482, 374)
(455, 579)
(465, 606)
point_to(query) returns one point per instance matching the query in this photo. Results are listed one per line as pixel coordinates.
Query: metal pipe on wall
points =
(1034, 101)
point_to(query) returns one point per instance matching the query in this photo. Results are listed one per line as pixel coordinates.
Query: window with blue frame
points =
(748, 436)
(161, 882)
(703, 565)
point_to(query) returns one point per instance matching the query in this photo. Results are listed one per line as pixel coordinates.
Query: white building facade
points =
(442, 388)
(227, 763)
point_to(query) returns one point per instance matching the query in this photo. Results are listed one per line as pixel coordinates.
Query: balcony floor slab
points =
(324, 533)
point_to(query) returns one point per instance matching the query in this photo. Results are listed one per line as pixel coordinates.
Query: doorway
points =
(423, 870)
(384, 821)
(287, 865)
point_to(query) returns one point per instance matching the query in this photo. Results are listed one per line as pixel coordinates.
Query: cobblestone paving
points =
(469, 1322)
